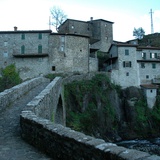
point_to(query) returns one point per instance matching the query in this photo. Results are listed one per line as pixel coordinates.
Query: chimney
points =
(15, 28)
(91, 18)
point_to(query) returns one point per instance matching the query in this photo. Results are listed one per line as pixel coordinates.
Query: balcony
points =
(30, 55)
(156, 80)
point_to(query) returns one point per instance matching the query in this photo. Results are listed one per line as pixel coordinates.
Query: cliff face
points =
(101, 109)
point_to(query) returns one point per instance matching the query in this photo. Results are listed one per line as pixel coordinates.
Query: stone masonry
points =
(60, 142)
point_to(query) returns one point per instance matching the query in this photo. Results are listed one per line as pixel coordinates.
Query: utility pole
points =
(152, 30)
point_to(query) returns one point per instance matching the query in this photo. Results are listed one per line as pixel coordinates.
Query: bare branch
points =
(58, 17)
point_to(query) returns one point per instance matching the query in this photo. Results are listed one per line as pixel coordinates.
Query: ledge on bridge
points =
(63, 143)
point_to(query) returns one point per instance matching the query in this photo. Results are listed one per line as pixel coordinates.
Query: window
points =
(62, 48)
(72, 26)
(153, 65)
(23, 36)
(62, 39)
(5, 54)
(151, 91)
(127, 64)
(153, 55)
(143, 55)
(5, 43)
(142, 65)
(127, 74)
(53, 68)
(40, 49)
(22, 49)
(126, 52)
(147, 76)
(40, 36)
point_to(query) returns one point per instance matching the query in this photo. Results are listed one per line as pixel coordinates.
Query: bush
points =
(88, 106)
(9, 77)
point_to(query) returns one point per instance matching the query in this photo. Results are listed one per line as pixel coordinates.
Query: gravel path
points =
(12, 147)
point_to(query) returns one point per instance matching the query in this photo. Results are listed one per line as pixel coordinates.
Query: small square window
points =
(127, 74)
(53, 68)
(127, 64)
(5, 54)
(147, 76)
(72, 26)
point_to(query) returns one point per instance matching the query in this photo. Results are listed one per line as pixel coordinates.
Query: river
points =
(151, 146)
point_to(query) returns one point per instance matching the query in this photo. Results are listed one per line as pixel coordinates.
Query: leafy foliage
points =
(9, 77)
(102, 57)
(150, 40)
(138, 33)
(88, 106)
(52, 76)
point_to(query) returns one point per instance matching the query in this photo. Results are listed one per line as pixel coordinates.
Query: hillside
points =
(102, 109)
(150, 40)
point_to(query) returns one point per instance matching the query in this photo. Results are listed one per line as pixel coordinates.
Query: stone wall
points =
(10, 95)
(11, 46)
(93, 64)
(46, 104)
(68, 53)
(63, 143)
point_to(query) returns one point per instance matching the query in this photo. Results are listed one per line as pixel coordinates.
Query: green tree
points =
(9, 77)
(138, 33)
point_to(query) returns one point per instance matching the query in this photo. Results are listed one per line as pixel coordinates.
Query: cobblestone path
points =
(12, 147)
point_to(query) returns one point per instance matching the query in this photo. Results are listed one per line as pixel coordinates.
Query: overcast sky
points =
(126, 14)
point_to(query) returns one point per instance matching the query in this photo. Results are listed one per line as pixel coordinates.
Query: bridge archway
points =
(59, 114)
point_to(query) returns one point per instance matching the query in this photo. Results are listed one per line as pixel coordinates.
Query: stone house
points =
(43, 52)
(150, 92)
(100, 32)
(133, 65)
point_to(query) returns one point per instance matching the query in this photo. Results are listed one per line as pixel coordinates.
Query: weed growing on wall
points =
(9, 77)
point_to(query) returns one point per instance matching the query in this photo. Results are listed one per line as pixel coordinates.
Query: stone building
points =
(43, 52)
(28, 50)
(133, 65)
(100, 32)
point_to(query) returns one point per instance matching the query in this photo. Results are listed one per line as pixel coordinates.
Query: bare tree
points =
(138, 33)
(58, 17)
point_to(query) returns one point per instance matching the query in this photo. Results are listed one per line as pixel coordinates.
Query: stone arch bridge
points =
(43, 120)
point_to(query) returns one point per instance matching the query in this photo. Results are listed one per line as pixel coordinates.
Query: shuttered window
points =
(23, 49)
(40, 36)
(23, 36)
(127, 64)
(40, 49)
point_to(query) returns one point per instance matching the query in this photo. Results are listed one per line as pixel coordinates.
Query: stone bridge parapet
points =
(49, 103)
(8, 96)
(60, 142)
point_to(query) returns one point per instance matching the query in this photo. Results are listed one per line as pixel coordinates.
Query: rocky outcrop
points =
(111, 113)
